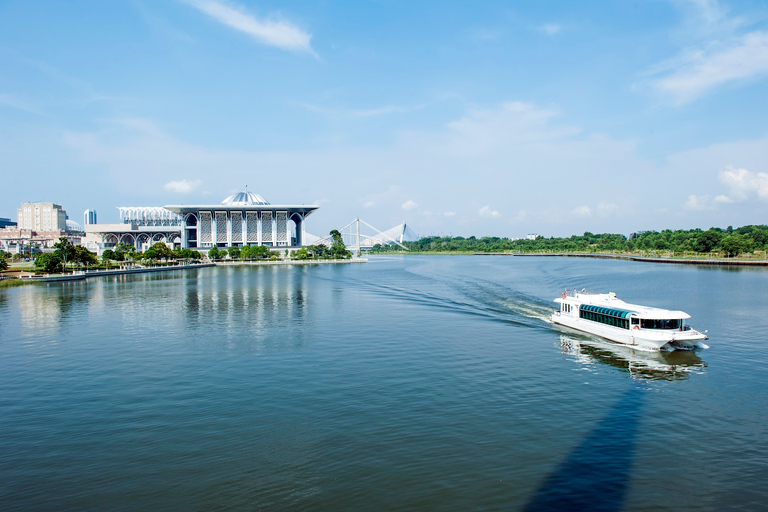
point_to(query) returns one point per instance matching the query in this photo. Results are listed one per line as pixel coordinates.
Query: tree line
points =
(720, 242)
(337, 250)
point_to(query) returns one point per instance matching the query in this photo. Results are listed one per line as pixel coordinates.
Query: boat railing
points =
(575, 292)
(685, 328)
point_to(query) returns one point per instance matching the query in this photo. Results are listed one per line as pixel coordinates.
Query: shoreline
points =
(83, 275)
(288, 262)
(632, 257)
(86, 274)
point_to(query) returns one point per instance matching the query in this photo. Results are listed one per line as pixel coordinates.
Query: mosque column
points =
(229, 229)
(274, 229)
(287, 229)
(244, 226)
(214, 231)
(259, 238)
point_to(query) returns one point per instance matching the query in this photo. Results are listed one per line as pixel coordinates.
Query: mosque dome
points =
(244, 199)
(73, 226)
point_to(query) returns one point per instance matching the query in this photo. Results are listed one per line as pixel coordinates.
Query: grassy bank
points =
(10, 283)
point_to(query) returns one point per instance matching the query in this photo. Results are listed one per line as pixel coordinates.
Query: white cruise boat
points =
(644, 327)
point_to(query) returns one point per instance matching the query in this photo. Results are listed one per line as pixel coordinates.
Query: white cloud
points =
(271, 32)
(409, 205)
(141, 125)
(607, 209)
(583, 211)
(705, 18)
(8, 100)
(702, 71)
(369, 112)
(388, 109)
(504, 152)
(698, 203)
(743, 183)
(521, 216)
(369, 204)
(486, 211)
(723, 199)
(182, 186)
(513, 123)
(704, 11)
(550, 29)
(449, 214)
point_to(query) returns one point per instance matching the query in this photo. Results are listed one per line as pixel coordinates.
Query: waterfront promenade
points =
(86, 274)
(288, 262)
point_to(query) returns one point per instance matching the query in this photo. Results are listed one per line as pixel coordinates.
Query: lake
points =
(407, 383)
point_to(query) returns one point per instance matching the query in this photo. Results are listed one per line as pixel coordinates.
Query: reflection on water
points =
(49, 308)
(641, 365)
(261, 309)
(410, 383)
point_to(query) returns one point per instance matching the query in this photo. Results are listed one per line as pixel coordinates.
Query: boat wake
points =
(470, 296)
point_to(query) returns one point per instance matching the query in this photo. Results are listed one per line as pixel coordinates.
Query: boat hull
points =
(642, 338)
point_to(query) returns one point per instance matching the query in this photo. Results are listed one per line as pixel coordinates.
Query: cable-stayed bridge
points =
(358, 235)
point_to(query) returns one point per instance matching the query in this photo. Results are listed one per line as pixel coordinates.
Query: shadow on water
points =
(596, 474)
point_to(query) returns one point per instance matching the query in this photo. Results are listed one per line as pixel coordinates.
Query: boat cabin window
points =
(635, 321)
(608, 316)
(566, 308)
(660, 324)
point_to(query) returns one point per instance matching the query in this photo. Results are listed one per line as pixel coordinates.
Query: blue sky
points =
(462, 118)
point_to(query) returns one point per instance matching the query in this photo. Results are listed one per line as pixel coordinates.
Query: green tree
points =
(84, 256)
(3, 262)
(185, 254)
(735, 244)
(108, 255)
(49, 262)
(125, 248)
(65, 250)
(234, 252)
(302, 254)
(213, 253)
(707, 240)
(260, 251)
(317, 251)
(160, 251)
(338, 250)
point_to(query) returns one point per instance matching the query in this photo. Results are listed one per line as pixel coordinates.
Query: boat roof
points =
(610, 304)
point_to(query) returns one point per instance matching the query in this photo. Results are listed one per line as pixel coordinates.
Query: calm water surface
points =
(408, 383)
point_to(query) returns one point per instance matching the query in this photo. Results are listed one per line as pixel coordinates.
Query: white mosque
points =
(241, 219)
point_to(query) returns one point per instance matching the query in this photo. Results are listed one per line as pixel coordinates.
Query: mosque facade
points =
(241, 219)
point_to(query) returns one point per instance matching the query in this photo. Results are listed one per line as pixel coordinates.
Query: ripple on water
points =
(424, 382)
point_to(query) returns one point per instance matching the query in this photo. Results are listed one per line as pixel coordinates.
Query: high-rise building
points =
(42, 217)
(89, 217)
